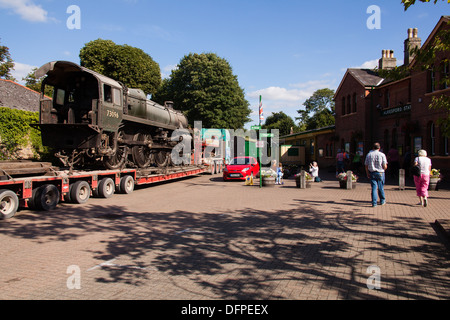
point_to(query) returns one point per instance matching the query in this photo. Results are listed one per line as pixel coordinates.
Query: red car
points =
(240, 168)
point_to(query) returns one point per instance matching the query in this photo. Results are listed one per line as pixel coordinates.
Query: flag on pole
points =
(261, 111)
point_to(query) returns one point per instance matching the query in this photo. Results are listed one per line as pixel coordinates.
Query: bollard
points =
(401, 179)
(303, 179)
(349, 180)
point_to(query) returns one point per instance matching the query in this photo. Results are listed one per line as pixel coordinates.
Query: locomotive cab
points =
(83, 102)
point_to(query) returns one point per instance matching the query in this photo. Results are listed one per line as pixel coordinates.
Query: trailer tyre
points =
(46, 197)
(9, 203)
(127, 184)
(80, 192)
(106, 188)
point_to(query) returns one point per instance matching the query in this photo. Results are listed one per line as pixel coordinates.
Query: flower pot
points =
(343, 184)
(433, 184)
(268, 182)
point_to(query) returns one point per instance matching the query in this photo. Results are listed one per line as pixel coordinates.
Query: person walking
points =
(423, 181)
(340, 157)
(376, 165)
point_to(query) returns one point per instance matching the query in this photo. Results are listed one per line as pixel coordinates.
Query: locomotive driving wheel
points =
(162, 158)
(119, 158)
(142, 156)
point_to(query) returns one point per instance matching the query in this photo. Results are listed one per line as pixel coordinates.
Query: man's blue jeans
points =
(377, 183)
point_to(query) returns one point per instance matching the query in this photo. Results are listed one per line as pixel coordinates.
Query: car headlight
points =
(225, 170)
(246, 169)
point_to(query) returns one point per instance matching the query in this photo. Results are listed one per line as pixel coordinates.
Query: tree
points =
(205, 89)
(408, 3)
(6, 64)
(129, 65)
(36, 84)
(280, 121)
(319, 110)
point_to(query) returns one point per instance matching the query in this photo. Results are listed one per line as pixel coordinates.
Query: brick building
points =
(370, 108)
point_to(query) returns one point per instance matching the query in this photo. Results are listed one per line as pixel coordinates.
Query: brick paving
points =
(204, 239)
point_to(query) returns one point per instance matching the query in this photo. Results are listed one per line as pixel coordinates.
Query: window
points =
(60, 96)
(432, 80)
(432, 139)
(107, 94)
(349, 104)
(445, 146)
(343, 106)
(354, 103)
(445, 75)
(117, 97)
(388, 98)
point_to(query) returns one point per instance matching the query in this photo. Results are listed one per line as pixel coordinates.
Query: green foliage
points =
(282, 122)
(6, 64)
(36, 84)
(205, 89)
(129, 65)
(408, 3)
(442, 103)
(319, 110)
(16, 133)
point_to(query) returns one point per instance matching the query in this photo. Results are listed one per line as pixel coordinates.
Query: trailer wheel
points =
(9, 203)
(46, 197)
(80, 192)
(106, 188)
(127, 184)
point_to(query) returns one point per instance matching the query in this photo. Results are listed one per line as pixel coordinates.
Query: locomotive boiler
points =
(95, 119)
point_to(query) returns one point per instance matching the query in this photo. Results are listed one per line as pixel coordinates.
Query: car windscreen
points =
(240, 161)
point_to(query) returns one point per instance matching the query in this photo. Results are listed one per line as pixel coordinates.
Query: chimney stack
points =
(413, 42)
(387, 61)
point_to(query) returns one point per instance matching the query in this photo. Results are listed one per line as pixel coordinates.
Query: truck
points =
(40, 186)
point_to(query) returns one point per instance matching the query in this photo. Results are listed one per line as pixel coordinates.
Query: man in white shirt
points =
(376, 165)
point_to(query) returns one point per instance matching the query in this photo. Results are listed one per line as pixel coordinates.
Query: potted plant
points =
(435, 177)
(342, 177)
(309, 179)
(268, 179)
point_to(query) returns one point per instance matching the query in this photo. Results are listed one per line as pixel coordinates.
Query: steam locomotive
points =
(95, 119)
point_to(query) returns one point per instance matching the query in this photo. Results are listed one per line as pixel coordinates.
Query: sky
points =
(282, 50)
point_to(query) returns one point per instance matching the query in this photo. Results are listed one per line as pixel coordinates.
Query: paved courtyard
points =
(204, 239)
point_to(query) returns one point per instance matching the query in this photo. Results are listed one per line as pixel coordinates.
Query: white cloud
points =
(167, 70)
(21, 70)
(26, 9)
(288, 100)
(371, 64)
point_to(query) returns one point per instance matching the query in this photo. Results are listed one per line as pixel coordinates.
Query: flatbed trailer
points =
(44, 192)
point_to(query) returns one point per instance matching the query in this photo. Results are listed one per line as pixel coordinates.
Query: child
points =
(314, 169)
(279, 174)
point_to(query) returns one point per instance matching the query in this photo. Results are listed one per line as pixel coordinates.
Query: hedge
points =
(16, 133)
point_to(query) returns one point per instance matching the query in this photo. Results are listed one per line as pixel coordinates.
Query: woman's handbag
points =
(416, 170)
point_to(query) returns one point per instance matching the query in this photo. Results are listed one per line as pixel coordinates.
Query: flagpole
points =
(259, 137)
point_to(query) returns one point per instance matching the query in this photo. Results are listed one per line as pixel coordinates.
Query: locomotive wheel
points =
(46, 197)
(106, 188)
(142, 156)
(118, 160)
(9, 203)
(162, 158)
